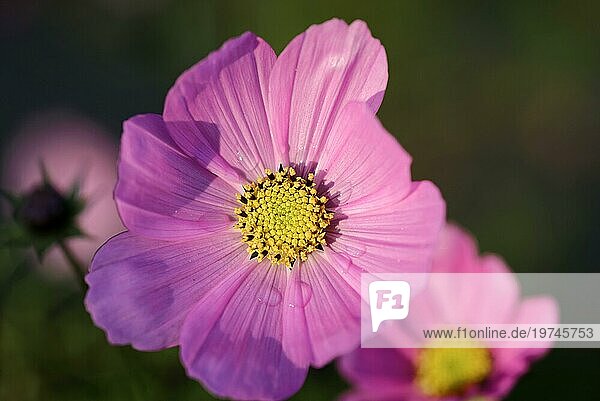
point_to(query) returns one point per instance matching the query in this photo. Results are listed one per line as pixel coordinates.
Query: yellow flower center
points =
(282, 218)
(443, 372)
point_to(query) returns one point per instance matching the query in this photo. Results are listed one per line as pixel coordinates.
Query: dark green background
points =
(496, 101)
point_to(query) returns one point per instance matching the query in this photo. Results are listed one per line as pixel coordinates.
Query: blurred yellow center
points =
(282, 218)
(443, 372)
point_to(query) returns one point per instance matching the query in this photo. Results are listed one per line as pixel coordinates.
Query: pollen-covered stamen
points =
(282, 217)
(445, 372)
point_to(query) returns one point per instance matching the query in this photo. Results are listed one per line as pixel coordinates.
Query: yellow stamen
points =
(444, 372)
(282, 217)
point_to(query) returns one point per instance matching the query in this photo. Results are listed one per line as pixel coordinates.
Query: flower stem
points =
(76, 266)
(15, 275)
(19, 272)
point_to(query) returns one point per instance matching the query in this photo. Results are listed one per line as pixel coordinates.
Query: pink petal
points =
(319, 72)
(457, 252)
(322, 316)
(512, 363)
(161, 192)
(381, 395)
(296, 340)
(216, 109)
(383, 221)
(496, 299)
(362, 164)
(140, 289)
(538, 310)
(378, 369)
(231, 341)
(491, 299)
(397, 240)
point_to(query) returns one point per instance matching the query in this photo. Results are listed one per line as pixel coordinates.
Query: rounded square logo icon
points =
(388, 300)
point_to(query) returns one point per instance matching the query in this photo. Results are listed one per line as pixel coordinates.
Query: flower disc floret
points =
(444, 372)
(282, 217)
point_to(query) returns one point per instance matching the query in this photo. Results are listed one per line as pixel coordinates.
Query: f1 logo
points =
(389, 300)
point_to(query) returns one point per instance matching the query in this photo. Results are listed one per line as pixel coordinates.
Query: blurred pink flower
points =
(72, 149)
(477, 374)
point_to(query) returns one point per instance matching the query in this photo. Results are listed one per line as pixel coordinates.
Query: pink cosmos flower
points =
(72, 148)
(454, 374)
(252, 204)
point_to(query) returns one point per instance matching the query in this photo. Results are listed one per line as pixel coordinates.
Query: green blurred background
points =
(498, 103)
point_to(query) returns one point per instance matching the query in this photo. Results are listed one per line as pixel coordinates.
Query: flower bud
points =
(43, 210)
